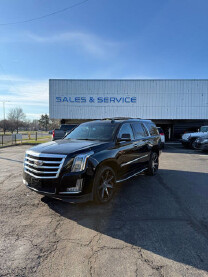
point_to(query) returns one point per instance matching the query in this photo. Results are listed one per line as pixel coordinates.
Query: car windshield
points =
(204, 129)
(93, 131)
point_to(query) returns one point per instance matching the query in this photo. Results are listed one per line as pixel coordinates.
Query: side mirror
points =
(124, 137)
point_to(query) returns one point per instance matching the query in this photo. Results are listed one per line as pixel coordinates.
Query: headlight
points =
(79, 162)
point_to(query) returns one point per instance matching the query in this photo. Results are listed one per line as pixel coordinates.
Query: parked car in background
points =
(64, 129)
(201, 143)
(188, 139)
(92, 159)
(162, 135)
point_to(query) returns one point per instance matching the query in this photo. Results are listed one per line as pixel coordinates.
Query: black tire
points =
(153, 164)
(104, 185)
(193, 142)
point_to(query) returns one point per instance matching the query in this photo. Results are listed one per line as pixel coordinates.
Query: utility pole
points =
(4, 113)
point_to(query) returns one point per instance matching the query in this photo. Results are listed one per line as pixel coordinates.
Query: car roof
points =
(120, 120)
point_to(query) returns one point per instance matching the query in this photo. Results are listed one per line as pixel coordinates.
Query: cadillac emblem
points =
(38, 163)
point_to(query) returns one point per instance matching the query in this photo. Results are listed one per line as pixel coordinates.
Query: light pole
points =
(4, 113)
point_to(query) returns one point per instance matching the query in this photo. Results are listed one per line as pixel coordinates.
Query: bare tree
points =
(16, 116)
(4, 125)
(11, 126)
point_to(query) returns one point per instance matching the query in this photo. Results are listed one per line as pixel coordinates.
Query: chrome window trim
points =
(134, 160)
(145, 126)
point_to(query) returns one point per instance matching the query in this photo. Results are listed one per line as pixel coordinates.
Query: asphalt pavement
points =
(155, 226)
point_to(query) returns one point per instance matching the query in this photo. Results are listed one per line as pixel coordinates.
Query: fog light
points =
(25, 182)
(77, 188)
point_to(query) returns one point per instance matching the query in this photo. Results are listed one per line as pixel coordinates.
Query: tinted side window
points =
(139, 130)
(67, 127)
(125, 129)
(152, 129)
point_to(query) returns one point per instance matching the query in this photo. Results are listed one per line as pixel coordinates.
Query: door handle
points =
(135, 145)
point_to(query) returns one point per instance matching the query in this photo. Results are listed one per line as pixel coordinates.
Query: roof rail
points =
(119, 118)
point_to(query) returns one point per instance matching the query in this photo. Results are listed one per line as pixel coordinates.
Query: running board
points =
(135, 174)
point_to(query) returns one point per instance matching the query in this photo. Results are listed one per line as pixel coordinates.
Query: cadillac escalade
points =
(92, 159)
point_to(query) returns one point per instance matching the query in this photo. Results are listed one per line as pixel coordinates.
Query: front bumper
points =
(66, 198)
(57, 187)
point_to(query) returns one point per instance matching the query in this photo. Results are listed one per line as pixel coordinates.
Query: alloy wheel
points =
(155, 162)
(106, 185)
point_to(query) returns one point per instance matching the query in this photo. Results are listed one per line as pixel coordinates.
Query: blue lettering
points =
(127, 99)
(100, 99)
(118, 99)
(112, 99)
(65, 99)
(77, 99)
(83, 99)
(58, 99)
(70, 100)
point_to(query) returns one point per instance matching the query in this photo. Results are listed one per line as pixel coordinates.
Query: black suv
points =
(89, 162)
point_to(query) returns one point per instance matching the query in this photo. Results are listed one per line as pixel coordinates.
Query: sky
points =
(98, 39)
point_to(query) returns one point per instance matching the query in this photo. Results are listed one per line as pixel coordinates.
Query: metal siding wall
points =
(156, 99)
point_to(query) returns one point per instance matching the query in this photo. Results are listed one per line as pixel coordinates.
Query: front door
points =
(126, 151)
(141, 145)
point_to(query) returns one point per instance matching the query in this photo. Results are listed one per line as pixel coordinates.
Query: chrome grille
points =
(44, 166)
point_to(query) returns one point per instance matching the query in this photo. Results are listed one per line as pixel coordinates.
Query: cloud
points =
(11, 77)
(90, 43)
(31, 95)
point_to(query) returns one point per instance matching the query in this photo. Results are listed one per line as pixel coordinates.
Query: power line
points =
(46, 15)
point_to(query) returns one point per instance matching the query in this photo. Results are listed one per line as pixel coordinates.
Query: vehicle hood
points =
(193, 135)
(66, 147)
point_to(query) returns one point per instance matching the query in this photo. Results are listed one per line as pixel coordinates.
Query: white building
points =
(176, 105)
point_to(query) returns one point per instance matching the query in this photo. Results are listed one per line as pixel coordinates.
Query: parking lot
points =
(155, 226)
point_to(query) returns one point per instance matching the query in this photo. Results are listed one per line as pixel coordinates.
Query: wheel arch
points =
(111, 163)
(156, 149)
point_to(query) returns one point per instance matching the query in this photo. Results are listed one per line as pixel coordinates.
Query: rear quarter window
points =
(152, 129)
(139, 130)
